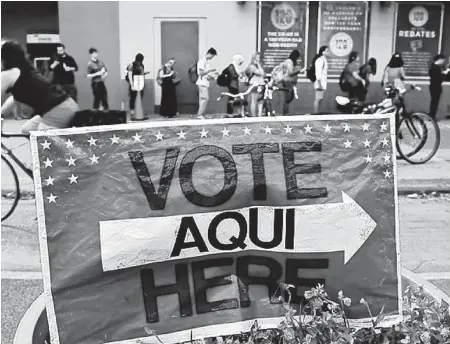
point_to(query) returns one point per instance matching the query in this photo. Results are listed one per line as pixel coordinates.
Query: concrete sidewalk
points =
(434, 176)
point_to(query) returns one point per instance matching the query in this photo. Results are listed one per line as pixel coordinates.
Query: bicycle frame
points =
(9, 152)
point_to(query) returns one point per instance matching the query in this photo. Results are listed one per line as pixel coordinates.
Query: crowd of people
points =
(55, 101)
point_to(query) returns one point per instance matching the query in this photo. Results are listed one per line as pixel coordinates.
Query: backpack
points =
(343, 82)
(193, 73)
(278, 73)
(224, 78)
(127, 79)
(311, 73)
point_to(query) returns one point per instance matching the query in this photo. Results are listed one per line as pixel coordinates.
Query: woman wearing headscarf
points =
(394, 75)
(52, 105)
(255, 73)
(234, 71)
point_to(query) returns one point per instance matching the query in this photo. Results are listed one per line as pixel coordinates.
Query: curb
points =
(429, 287)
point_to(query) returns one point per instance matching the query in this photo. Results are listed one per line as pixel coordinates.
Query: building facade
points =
(185, 30)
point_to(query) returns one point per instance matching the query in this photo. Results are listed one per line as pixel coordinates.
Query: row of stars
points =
(73, 179)
(204, 134)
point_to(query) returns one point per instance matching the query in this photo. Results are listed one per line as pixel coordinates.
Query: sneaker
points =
(201, 117)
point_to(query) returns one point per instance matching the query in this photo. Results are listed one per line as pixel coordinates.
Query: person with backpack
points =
(285, 76)
(255, 74)
(234, 73)
(350, 81)
(394, 74)
(134, 68)
(204, 75)
(318, 74)
(365, 71)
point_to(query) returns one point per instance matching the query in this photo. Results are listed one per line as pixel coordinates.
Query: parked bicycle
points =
(11, 192)
(418, 134)
(265, 91)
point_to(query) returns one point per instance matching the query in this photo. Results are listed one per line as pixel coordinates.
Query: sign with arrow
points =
(189, 227)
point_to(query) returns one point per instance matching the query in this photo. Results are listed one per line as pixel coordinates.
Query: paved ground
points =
(424, 225)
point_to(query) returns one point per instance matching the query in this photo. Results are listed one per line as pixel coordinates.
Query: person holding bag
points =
(255, 73)
(168, 79)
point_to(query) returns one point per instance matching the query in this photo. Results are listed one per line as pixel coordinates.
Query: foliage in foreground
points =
(323, 321)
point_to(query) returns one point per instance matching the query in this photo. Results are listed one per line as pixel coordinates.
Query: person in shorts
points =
(321, 71)
(204, 74)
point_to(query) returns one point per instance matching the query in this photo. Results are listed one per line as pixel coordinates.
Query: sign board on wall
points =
(36, 38)
(284, 28)
(193, 224)
(418, 36)
(342, 26)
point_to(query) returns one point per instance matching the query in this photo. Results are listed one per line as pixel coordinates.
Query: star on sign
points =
(247, 131)
(387, 174)
(137, 138)
(327, 129)
(46, 145)
(348, 144)
(367, 143)
(346, 128)
(69, 143)
(159, 136)
(268, 130)
(386, 158)
(50, 180)
(48, 163)
(225, 132)
(368, 158)
(385, 142)
(203, 133)
(114, 139)
(181, 135)
(366, 127)
(71, 161)
(94, 159)
(308, 129)
(52, 198)
(288, 129)
(383, 127)
(73, 179)
(92, 142)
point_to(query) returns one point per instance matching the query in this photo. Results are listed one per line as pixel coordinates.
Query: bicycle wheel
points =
(10, 189)
(418, 138)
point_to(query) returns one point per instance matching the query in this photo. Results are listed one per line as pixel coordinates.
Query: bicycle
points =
(9, 172)
(265, 91)
(414, 130)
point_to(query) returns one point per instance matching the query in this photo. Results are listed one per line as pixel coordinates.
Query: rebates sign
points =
(191, 226)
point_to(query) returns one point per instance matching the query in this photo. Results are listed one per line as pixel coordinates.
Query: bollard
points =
(138, 84)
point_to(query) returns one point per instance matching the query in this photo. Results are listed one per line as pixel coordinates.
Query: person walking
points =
(63, 66)
(365, 71)
(51, 104)
(356, 84)
(135, 68)
(168, 80)
(205, 73)
(321, 71)
(97, 72)
(437, 75)
(393, 74)
(255, 74)
(285, 76)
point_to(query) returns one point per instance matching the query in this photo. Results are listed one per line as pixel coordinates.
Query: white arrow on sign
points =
(318, 228)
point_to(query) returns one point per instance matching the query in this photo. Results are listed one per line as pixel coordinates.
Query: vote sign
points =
(192, 225)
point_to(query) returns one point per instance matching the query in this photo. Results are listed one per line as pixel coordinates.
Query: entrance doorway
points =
(180, 38)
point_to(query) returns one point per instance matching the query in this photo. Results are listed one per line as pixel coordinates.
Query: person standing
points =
(437, 74)
(394, 75)
(63, 66)
(321, 72)
(168, 80)
(204, 73)
(255, 73)
(135, 68)
(365, 71)
(356, 84)
(285, 76)
(97, 72)
(234, 72)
